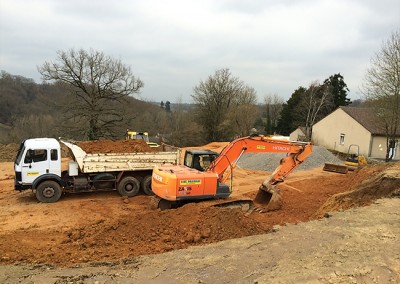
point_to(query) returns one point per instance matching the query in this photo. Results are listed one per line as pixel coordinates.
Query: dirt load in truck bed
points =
(118, 146)
(100, 227)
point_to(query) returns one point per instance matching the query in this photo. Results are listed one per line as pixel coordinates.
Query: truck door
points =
(35, 164)
(55, 162)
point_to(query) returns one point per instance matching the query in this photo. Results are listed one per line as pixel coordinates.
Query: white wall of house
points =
(338, 131)
(378, 148)
(295, 135)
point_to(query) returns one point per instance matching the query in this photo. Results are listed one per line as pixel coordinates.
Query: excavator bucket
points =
(337, 168)
(268, 198)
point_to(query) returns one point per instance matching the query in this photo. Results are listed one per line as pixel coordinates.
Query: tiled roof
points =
(367, 118)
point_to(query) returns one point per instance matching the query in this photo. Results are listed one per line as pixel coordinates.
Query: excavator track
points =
(246, 205)
(162, 204)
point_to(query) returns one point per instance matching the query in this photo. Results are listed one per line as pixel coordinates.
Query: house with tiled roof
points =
(352, 126)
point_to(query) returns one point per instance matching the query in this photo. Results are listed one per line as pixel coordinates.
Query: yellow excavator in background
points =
(354, 160)
(141, 136)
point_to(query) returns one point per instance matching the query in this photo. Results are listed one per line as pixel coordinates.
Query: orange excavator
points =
(174, 185)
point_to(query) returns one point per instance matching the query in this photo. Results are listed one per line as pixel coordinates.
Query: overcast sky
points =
(273, 46)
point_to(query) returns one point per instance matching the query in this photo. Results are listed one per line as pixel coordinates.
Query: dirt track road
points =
(355, 246)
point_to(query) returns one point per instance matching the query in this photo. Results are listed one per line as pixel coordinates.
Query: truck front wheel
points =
(128, 186)
(48, 191)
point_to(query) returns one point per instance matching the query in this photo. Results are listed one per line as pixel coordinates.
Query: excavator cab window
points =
(196, 163)
(199, 160)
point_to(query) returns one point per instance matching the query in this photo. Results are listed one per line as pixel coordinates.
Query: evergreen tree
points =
(339, 90)
(289, 111)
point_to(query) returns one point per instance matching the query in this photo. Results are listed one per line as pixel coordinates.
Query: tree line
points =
(224, 108)
(86, 95)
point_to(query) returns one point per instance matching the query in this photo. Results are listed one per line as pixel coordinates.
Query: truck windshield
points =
(21, 151)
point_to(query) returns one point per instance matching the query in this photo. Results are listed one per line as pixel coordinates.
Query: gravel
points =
(269, 161)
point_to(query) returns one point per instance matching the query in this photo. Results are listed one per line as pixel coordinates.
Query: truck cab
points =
(37, 159)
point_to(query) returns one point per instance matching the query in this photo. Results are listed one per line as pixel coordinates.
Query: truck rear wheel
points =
(48, 191)
(146, 185)
(128, 186)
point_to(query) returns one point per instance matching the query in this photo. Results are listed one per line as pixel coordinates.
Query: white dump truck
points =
(38, 167)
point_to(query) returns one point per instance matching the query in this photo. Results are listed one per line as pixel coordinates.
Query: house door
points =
(392, 150)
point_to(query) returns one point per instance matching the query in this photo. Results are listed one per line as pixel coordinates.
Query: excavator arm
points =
(289, 163)
(268, 195)
(229, 156)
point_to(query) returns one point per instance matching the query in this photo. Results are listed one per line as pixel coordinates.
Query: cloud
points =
(274, 46)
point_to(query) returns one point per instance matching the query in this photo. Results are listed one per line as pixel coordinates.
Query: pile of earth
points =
(269, 161)
(8, 152)
(383, 181)
(118, 146)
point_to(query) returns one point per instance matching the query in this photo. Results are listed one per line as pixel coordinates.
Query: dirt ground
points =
(105, 228)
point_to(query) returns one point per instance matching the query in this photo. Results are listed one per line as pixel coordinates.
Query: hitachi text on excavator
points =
(178, 184)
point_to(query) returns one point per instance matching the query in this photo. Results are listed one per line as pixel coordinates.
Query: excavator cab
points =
(199, 159)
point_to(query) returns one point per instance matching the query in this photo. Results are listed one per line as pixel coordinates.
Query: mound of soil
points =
(8, 152)
(372, 182)
(118, 146)
(168, 230)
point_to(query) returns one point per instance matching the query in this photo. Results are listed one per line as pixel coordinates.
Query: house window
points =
(341, 139)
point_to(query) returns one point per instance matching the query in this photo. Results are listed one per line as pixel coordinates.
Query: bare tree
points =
(316, 99)
(217, 99)
(244, 112)
(381, 87)
(185, 131)
(97, 83)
